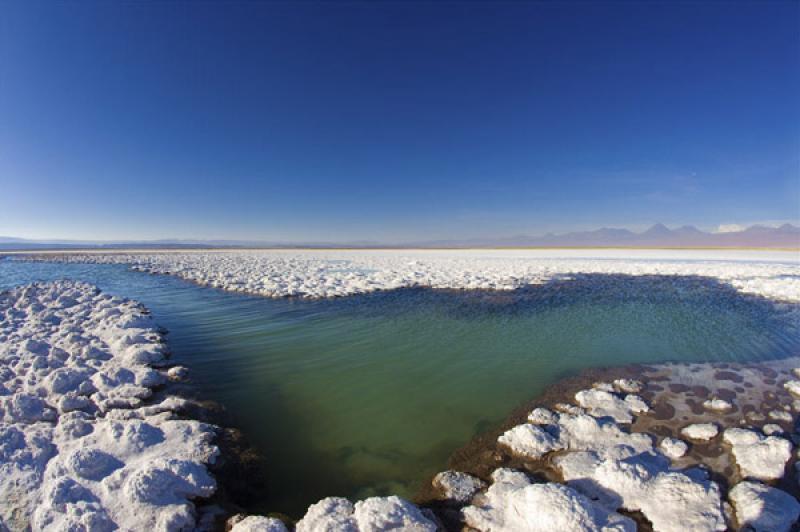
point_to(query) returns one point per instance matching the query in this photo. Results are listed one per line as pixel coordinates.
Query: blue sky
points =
(394, 121)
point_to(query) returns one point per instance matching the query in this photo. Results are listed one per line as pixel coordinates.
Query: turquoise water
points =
(370, 394)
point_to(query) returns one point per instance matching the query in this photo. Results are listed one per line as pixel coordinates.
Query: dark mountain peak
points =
(789, 228)
(759, 228)
(688, 230)
(657, 229)
(613, 231)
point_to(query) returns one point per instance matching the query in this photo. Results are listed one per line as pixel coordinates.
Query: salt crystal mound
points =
(331, 273)
(701, 431)
(80, 447)
(618, 469)
(758, 456)
(717, 404)
(514, 503)
(573, 432)
(761, 508)
(673, 447)
(603, 403)
(257, 523)
(370, 515)
(457, 486)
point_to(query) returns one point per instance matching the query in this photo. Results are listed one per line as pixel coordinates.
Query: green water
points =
(370, 394)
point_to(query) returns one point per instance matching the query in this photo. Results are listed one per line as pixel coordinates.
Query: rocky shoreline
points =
(736, 458)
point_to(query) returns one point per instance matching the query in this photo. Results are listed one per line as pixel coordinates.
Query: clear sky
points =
(393, 121)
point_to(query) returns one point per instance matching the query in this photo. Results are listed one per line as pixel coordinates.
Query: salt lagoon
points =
(369, 394)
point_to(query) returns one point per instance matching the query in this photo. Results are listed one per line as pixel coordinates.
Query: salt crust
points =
(574, 432)
(513, 503)
(615, 469)
(701, 431)
(673, 447)
(793, 387)
(758, 456)
(771, 429)
(330, 273)
(628, 385)
(457, 486)
(717, 404)
(370, 515)
(762, 508)
(79, 447)
(258, 523)
(603, 403)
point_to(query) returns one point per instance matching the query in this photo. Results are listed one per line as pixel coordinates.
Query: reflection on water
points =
(370, 394)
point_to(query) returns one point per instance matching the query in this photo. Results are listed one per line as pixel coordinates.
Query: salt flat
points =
(332, 273)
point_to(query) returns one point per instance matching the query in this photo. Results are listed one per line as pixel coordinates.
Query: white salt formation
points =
(614, 468)
(761, 457)
(673, 447)
(457, 486)
(762, 508)
(701, 431)
(602, 403)
(717, 404)
(370, 515)
(80, 448)
(330, 273)
(257, 523)
(514, 503)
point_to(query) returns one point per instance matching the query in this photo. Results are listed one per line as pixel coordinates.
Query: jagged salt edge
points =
(318, 274)
(79, 447)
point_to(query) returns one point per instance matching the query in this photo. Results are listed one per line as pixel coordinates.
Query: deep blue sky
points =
(393, 121)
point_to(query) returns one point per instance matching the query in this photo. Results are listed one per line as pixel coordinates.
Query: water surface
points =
(370, 394)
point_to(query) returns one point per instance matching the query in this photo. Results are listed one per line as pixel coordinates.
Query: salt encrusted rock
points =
(457, 486)
(644, 482)
(600, 403)
(793, 387)
(567, 408)
(178, 373)
(616, 468)
(717, 404)
(542, 416)
(530, 440)
(258, 523)
(673, 447)
(762, 508)
(331, 513)
(771, 429)
(701, 431)
(391, 513)
(574, 432)
(628, 385)
(513, 503)
(780, 415)
(100, 459)
(373, 514)
(758, 456)
(604, 386)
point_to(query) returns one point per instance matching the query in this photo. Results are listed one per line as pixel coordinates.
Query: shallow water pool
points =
(370, 394)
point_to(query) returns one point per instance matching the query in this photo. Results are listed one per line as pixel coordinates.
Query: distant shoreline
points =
(56, 250)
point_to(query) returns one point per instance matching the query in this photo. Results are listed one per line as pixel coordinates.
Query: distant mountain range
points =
(658, 236)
